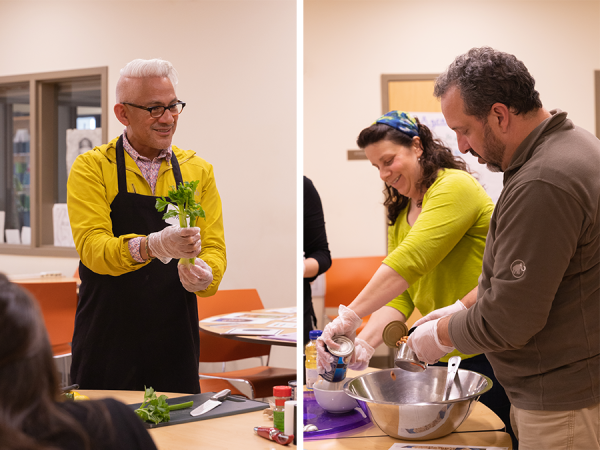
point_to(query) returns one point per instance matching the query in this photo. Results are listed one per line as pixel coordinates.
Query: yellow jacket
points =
(93, 185)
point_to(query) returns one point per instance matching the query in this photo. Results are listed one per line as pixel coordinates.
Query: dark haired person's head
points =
(485, 76)
(27, 371)
(407, 156)
(29, 384)
(479, 93)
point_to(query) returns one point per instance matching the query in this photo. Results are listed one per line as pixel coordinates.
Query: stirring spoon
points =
(453, 364)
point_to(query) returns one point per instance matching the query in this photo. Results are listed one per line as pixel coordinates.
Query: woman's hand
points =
(324, 358)
(346, 324)
(361, 356)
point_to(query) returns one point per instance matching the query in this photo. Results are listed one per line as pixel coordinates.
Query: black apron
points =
(140, 328)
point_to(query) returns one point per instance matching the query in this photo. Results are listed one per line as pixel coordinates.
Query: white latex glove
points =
(425, 343)
(361, 356)
(175, 242)
(442, 312)
(324, 358)
(195, 277)
(345, 324)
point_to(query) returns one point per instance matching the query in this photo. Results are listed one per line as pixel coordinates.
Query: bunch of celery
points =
(156, 409)
(183, 199)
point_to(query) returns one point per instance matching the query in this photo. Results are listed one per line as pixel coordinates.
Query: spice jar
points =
(281, 394)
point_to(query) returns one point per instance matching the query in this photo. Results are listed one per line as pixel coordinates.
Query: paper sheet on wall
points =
(13, 236)
(491, 181)
(61, 225)
(79, 142)
(26, 235)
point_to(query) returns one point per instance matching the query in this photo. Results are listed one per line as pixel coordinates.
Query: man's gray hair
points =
(147, 68)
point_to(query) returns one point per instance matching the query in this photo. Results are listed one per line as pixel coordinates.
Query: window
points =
(46, 121)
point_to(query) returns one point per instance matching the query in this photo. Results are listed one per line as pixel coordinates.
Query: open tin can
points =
(337, 370)
(404, 357)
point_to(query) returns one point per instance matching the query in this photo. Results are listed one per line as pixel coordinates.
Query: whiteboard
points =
(491, 181)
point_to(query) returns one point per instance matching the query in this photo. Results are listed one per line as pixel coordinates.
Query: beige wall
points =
(239, 84)
(349, 44)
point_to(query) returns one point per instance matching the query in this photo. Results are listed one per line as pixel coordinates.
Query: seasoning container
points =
(273, 434)
(337, 370)
(291, 407)
(281, 394)
(404, 357)
(293, 384)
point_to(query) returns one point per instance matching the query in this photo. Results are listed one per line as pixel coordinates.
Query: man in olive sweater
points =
(535, 313)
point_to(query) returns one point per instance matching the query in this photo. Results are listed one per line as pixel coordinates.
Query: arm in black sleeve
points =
(315, 237)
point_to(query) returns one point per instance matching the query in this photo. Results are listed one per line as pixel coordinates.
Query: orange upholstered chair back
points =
(347, 277)
(218, 349)
(58, 302)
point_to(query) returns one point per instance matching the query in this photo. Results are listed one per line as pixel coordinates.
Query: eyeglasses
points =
(158, 111)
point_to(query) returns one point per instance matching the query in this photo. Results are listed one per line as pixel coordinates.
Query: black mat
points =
(231, 406)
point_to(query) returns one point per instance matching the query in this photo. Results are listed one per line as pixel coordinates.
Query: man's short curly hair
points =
(485, 76)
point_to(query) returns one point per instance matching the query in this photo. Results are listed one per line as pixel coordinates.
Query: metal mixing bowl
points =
(409, 405)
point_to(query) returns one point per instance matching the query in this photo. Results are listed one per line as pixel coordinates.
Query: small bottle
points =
(281, 394)
(311, 358)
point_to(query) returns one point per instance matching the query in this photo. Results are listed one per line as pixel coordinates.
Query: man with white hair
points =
(137, 317)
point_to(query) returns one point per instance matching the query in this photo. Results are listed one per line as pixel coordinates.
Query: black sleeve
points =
(130, 432)
(315, 237)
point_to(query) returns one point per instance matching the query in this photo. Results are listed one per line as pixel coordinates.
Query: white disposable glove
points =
(442, 312)
(361, 356)
(324, 358)
(425, 343)
(195, 277)
(175, 242)
(345, 324)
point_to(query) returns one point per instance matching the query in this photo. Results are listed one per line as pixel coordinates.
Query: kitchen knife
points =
(211, 403)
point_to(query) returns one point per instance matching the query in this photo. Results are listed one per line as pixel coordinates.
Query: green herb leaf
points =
(186, 207)
(183, 198)
(156, 409)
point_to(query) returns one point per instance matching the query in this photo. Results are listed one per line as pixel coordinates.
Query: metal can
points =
(393, 332)
(337, 370)
(404, 357)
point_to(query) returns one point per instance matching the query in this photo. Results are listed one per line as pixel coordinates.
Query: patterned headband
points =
(401, 121)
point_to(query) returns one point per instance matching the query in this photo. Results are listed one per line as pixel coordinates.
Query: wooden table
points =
(231, 432)
(222, 329)
(472, 432)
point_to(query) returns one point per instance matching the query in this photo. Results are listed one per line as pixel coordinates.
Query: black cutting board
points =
(231, 406)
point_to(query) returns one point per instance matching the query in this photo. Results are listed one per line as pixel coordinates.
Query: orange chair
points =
(58, 302)
(346, 278)
(260, 379)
